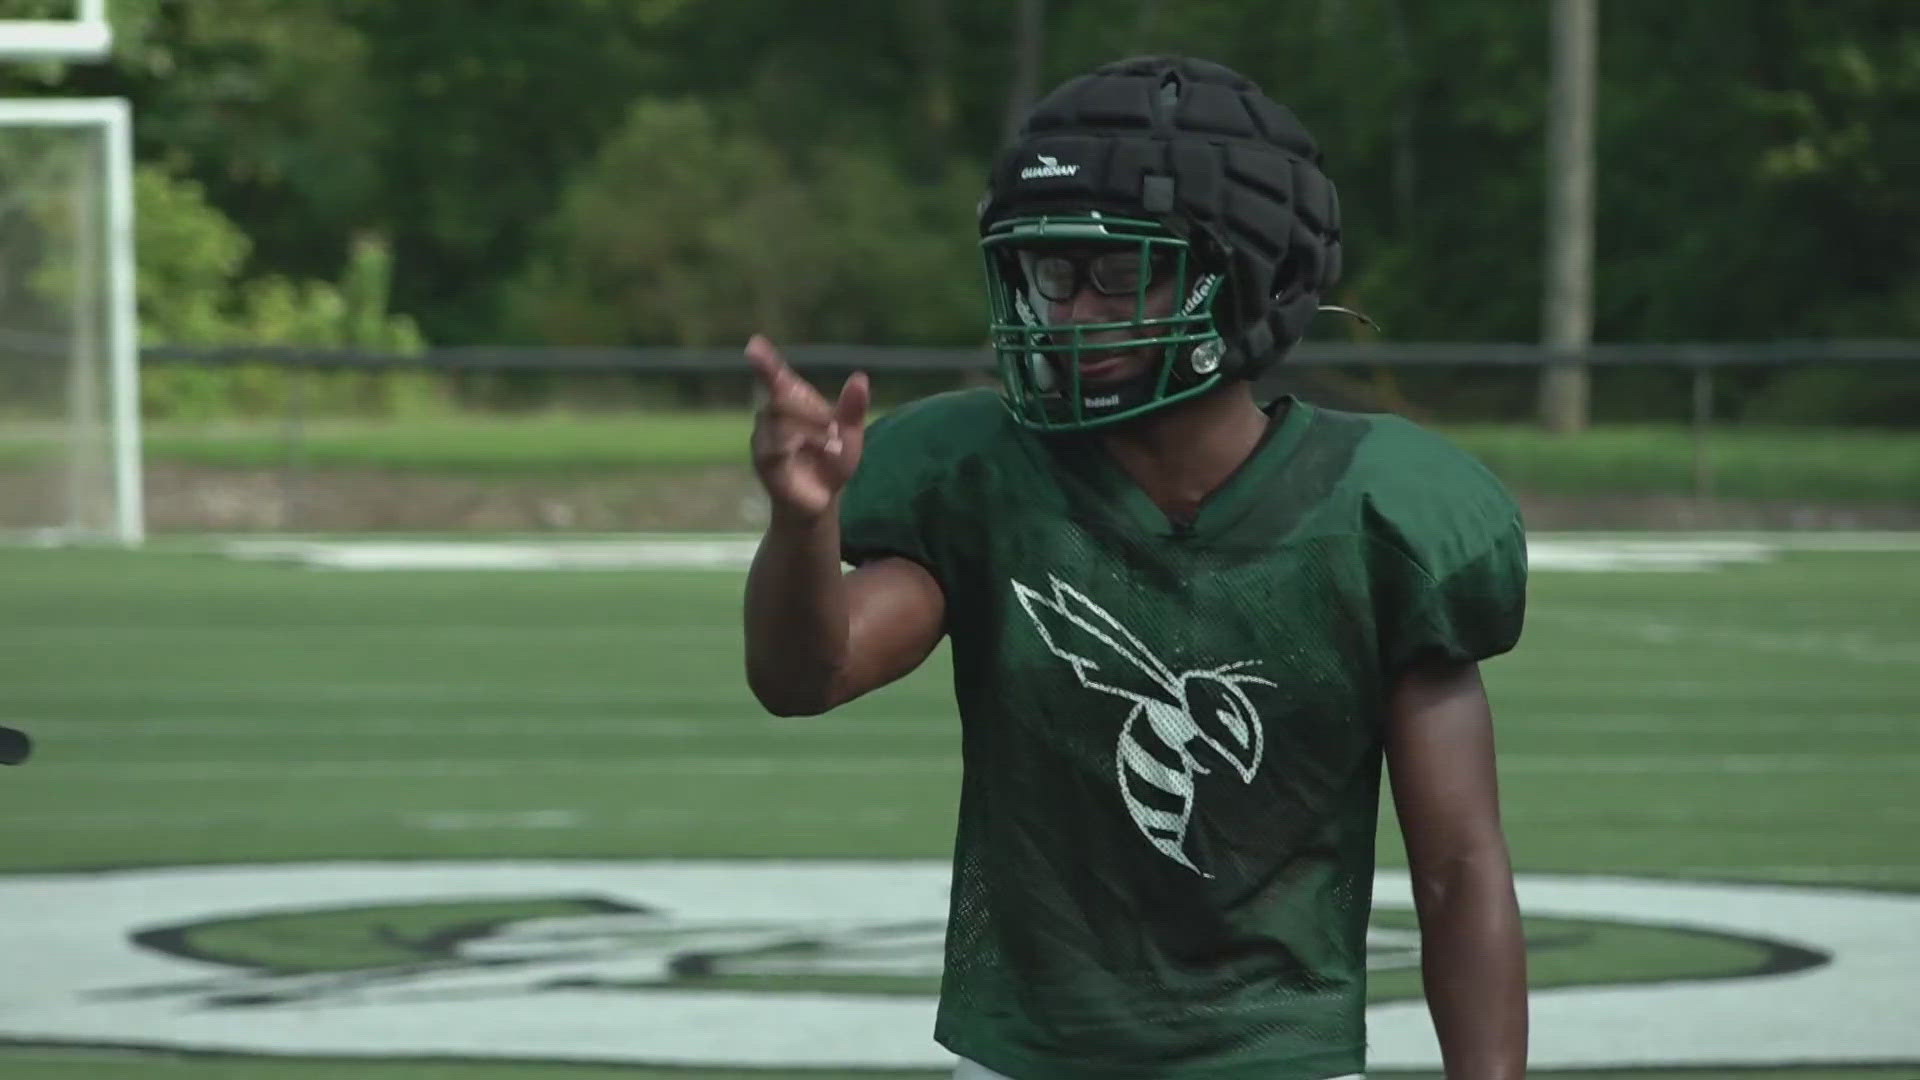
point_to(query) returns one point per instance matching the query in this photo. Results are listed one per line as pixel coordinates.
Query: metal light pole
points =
(1567, 308)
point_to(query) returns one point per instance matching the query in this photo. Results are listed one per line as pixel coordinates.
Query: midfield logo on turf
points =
(1179, 722)
(833, 965)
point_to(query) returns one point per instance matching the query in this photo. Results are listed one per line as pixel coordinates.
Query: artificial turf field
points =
(1757, 721)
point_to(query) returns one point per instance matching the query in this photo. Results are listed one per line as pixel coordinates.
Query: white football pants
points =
(972, 1070)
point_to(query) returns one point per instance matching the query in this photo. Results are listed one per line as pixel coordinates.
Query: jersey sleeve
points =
(883, 508)
(900, 500)
(1451, 562)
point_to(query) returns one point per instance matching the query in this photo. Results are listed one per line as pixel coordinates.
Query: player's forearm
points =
(796, 615)
(1473, 963)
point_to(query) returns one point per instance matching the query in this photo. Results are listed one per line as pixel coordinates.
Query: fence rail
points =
(1702, 360)
(673, 361)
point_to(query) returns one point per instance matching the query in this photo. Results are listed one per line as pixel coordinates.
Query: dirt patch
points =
(181, 499)
(727, 499)
(1553, 513)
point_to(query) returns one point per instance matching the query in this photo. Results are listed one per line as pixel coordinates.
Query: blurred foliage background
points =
(386, 175)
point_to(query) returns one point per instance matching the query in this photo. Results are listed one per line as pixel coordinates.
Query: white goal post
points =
(86, 36)
(74, 441)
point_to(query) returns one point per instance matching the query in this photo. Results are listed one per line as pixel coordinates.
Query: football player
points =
(1187, 626)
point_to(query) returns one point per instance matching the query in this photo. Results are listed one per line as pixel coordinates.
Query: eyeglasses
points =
(1059, 277)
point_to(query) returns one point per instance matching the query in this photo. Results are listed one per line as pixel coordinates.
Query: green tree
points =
(1756, 160)
(191, 291)
(725, 235)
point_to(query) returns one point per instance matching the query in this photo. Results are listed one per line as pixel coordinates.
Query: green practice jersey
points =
(1172, 731)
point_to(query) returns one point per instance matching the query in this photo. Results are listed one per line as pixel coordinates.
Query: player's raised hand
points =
(804, 448)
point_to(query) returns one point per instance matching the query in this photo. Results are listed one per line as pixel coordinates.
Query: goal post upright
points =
(85, 36)
(105, 318)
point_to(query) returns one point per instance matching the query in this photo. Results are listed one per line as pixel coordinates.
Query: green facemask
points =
(1036, 264)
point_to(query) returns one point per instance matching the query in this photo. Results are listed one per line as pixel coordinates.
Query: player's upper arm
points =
(896, 612)
(904, 518)
(1440, 755)
(899, 517)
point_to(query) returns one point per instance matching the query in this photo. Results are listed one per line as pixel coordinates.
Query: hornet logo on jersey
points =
(1173, 713)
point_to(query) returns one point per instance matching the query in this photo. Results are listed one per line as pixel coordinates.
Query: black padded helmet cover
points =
(1202, 149)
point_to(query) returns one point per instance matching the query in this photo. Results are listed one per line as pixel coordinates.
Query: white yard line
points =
(1893, 874)
(654, 633)
(1579, 681)
(1756, 722)
(476, 692)
(1853, 646)
(257, 816)
(704, 553)
(1785, 720)
(468, 768)
(1754, 764)
(1715, 817)
(1751, 764)
(336, 729)
(253, 814)
(1835, 541)
(1549, 551)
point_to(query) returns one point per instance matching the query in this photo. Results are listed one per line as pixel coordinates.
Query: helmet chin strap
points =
(1038, 367)
(1040, 370)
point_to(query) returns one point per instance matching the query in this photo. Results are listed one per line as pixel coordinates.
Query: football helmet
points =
(1176, 184)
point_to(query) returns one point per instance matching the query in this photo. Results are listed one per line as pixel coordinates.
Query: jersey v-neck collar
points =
(1129, 503)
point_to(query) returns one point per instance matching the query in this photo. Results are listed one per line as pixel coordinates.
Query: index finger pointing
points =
(766, 360)
(786, 390)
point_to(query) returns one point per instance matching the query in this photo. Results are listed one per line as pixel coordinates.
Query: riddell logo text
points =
(1048, 167)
